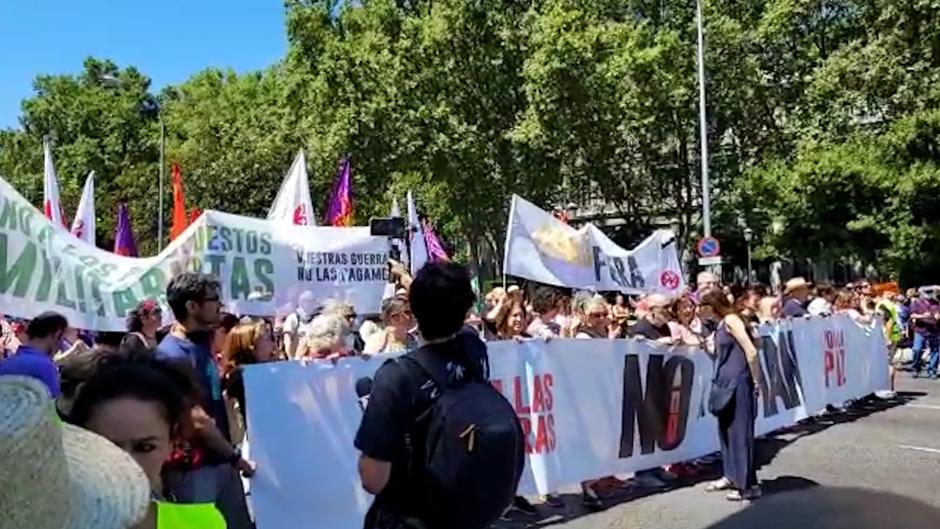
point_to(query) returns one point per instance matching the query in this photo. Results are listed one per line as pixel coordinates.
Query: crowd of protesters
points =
(173, 398)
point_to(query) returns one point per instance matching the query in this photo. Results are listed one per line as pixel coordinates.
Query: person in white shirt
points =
(822, 303)
(295, 325)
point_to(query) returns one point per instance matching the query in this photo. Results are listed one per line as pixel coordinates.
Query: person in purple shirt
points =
(34, 357)
(924, 314)
(796, 294)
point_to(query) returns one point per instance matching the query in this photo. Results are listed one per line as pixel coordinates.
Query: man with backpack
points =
(441, 448)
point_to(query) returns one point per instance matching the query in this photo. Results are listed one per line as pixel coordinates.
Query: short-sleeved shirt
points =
(397, 398)
(793, 308)
(927, 326)
(646, 329)
(819, 307)
(197, 353)
(30, 362)
(543, 329)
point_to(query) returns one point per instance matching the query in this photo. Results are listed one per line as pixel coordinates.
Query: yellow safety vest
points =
(188, 516)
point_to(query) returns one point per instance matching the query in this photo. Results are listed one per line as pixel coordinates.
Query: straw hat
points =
(58, 476)
(795, 284)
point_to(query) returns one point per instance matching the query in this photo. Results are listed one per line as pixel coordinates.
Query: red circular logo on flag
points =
(300, 215)
(669, 279)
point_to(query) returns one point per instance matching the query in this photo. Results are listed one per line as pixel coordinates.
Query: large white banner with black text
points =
(545, 249)
(589, 408)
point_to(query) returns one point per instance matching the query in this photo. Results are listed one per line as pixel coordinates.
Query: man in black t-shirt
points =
(440, 297)
(654, 325)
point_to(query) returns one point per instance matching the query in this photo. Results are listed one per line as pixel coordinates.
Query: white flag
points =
(419, 251)
(51, 204)
(83, 226)
(293, 203)
(542, 248)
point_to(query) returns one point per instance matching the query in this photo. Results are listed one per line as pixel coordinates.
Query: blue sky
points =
(167, 40)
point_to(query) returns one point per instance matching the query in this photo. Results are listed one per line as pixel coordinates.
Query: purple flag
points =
(124, 235)
(339, 209)
(436, 251)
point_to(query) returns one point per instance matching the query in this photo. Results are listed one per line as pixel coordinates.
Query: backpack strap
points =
(428, 361)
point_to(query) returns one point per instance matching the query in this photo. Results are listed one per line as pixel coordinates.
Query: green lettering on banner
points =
(153, 283)
(96, 295)
(80, 288)
(9, 216)
(44, 234)
(241, 283)
(62, 296)
(215, 264)
(124, 301)
(21, 271)
(45, 279)
(264, 268)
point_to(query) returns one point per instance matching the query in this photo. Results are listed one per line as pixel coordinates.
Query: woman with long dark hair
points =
(142, 325)
(734, 399)
(143, 406)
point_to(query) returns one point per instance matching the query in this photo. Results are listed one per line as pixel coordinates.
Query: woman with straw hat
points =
(143, 406)
(58, 476)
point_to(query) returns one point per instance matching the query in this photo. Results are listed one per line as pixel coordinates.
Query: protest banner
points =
(45, 268)
(542, 248)
(589, 408)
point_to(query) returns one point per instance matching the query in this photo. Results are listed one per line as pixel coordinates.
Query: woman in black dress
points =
(739, 372)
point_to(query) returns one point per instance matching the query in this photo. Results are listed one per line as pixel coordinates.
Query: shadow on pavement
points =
(834, 508)
(767, 449)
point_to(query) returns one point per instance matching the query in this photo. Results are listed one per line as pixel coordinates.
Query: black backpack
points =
(471, 454)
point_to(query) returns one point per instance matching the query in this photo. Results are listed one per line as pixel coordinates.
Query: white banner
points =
(542, 248)
(589, 408)
(45, 268)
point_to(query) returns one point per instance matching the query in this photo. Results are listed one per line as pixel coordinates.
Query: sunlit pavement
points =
(886, 446)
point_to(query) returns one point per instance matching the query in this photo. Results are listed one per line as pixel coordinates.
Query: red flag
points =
(179, 204)
(194, 215)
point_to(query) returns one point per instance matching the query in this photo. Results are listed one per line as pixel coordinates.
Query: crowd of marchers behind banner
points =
(172, 396)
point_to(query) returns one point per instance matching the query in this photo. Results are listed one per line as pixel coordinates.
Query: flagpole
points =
(160, 192)
(703, 124)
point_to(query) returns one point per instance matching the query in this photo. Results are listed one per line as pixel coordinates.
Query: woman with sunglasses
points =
(142, 325)
(396, 336)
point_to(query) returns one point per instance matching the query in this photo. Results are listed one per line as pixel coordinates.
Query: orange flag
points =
(179, 204)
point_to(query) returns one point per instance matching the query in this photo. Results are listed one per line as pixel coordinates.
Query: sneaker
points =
(523, 506)
(552, 500)
(591, 500)
(885, 394)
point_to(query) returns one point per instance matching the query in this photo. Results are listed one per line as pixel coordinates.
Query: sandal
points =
(718, 485)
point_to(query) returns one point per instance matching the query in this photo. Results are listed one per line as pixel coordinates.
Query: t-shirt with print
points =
(793, 308)
(195, 351)
(388, 423)
(646, 329)
(928, 325)
(544, 329)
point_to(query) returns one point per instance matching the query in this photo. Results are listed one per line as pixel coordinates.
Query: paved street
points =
(889, 447)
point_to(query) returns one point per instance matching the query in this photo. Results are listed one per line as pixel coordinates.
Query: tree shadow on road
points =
(767, 449)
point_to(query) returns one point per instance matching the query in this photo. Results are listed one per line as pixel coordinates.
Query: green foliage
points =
(823, 121)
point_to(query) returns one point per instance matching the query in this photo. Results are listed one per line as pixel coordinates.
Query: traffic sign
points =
(709, 247)
(709, 261)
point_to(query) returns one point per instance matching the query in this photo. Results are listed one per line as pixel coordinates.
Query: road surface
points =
(885, 446)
